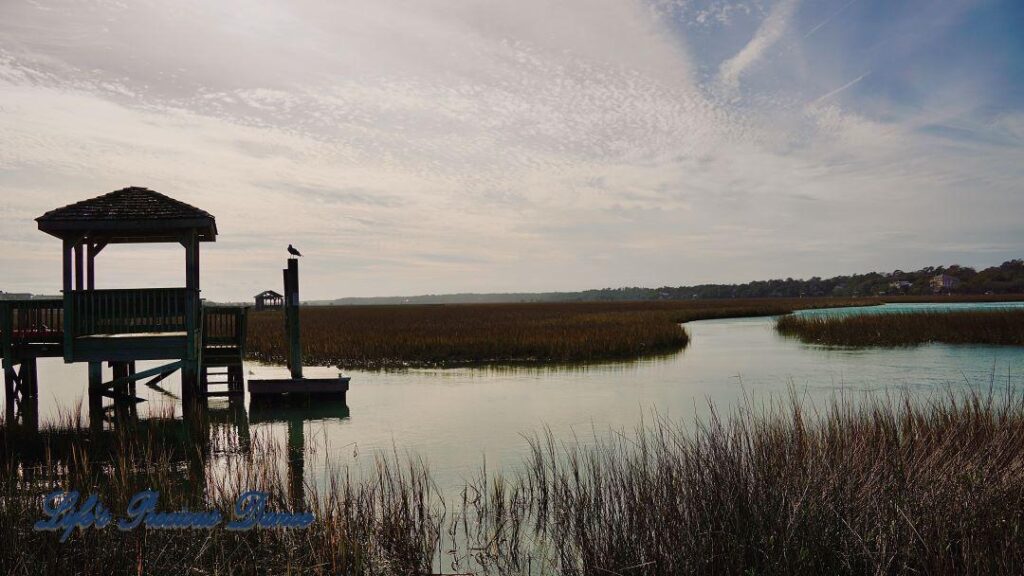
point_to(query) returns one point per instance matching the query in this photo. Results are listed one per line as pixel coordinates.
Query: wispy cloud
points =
(481, 146)
(775, 25)
(825, 21)
(836, 91)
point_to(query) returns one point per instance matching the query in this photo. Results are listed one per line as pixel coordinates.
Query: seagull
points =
(293, 251)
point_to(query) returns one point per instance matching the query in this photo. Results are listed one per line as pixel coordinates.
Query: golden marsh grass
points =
(445, 335)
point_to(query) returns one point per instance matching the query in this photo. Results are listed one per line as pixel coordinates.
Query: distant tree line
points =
(1007, 278)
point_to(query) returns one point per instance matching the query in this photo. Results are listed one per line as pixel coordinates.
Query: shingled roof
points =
(129, 215)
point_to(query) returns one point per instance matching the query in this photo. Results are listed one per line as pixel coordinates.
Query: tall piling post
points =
(291, 317)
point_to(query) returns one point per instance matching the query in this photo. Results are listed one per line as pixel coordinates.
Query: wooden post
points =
(69, 311)
(28, 404)
(93, 249)
(79, 267)
(90, 263)
(29, 378)
(291, 315)
(6, 329)
(10, 391)
(296, 463)
(195, 265)
(95, 410)
(190, 369)
(96, 396)
(95, 376)
(120, 370)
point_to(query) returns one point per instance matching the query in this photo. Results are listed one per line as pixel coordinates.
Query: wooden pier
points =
(123, 326)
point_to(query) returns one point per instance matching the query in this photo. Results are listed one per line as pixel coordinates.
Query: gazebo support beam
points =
(68, 249)
(92, 249)
(79, 266)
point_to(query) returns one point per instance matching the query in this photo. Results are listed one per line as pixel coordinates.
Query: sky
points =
(426, 146)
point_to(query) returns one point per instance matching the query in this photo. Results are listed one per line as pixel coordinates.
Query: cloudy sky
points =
(427, 146)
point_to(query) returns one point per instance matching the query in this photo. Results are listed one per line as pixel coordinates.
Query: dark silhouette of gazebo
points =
(269, 300)
(149, 323)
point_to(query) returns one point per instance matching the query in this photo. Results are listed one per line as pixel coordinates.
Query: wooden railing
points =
(224, 326)
(32, 321)
(132, 311)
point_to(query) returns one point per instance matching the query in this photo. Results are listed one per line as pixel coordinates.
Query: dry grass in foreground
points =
(897, 486)
(445, 335)
(890, 486)
(907, 328)
(385, 525)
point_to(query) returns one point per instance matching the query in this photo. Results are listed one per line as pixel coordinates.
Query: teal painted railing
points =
(128, 311)
(132, 311)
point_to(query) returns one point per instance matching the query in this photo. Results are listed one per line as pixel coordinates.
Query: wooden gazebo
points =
(149, 323)
(269, 300)
(167, 316)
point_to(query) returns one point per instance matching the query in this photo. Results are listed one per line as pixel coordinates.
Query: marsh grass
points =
(387, 525)
(895, 484)
(446, 335)
(907, 328)
(887, 486)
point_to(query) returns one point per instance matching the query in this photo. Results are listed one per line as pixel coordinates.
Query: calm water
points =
(456, 418)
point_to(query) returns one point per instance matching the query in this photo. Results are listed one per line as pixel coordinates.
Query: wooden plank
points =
(220, 393)
(166, 368)
(127, 348)
(152, 383)
(40, 350)
(298, 385)
(120, 397)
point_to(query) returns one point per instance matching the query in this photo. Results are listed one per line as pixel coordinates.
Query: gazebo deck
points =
(144, 331)
(121, 326)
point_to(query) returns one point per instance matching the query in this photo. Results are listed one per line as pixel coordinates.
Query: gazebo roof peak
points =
(131, 214)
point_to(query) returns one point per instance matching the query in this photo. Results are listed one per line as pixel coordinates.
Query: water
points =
(455, 419)
(914, 307)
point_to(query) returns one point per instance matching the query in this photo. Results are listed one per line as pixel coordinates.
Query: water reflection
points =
(295, 412)
(455, 419)
(200, 441)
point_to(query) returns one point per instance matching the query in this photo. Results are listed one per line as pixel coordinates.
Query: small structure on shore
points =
(269, 300)
(944, 283)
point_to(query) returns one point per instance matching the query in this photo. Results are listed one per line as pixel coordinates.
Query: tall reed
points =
(890, 486)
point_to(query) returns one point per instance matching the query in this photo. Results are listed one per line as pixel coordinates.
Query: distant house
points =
(944, 282)
(269, 300)
(901, 285)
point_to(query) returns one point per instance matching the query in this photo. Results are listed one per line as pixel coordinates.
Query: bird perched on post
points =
(293, 251)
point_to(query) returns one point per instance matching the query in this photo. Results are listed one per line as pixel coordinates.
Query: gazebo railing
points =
(224, 325)
(132, 311)
(32, 321)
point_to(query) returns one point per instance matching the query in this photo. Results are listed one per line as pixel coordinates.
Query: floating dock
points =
(332, 387)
